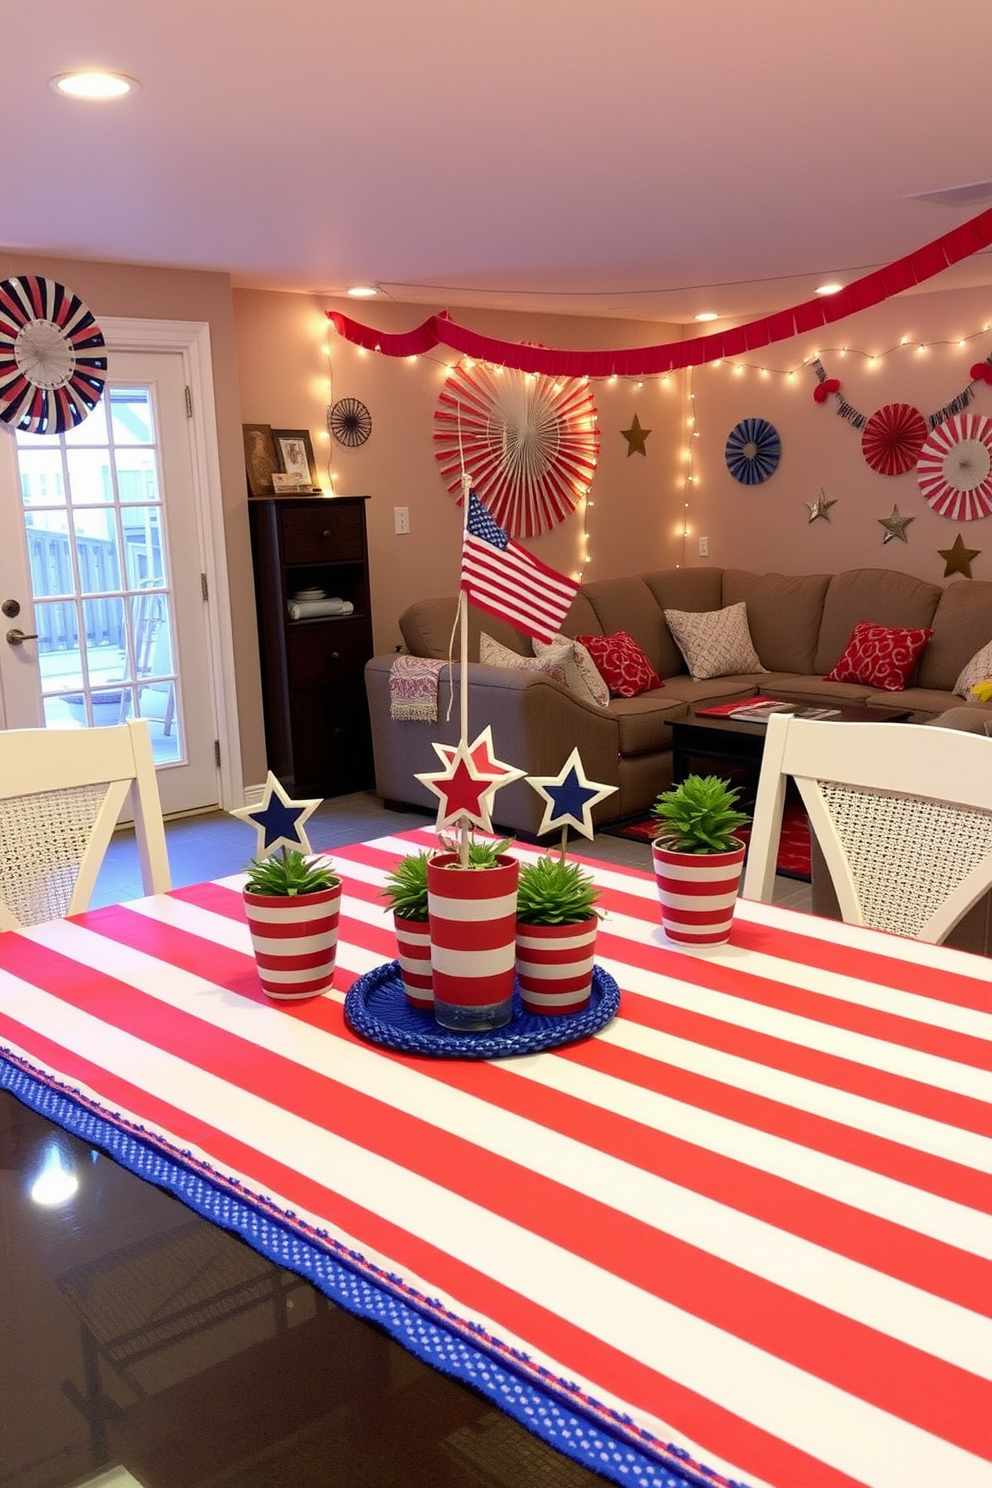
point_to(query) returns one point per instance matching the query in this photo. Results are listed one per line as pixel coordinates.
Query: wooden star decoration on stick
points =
(466, 785)
(636, 438)
(820, 507)
(277, 819)
(895, 526)
(957, 558)
(570, 797)
(482, 754)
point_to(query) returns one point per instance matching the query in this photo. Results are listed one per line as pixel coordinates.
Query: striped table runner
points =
(752, 1215)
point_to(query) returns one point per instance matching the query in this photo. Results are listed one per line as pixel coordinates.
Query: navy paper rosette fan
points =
(752, 452)
(53, 360)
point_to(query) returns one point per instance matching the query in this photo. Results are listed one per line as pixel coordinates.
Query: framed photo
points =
(294, 453)
(261, 460)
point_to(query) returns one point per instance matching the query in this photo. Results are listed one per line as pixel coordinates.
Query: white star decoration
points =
(277, 819)
(570, 797)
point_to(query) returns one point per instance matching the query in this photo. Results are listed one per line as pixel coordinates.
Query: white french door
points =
(103, 605)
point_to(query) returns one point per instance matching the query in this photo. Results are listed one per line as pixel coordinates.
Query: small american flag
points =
(503, 579)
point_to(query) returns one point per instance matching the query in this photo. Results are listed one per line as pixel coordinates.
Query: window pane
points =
(131, 416)
(89, 476)
(106, 643)
(58, 645)
(92, 430)
(49, 558)
(42, 482)
(142, 527)
(152, 635)
(97, 552)
(137, 475)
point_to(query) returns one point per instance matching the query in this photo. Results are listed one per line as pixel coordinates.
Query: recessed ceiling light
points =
(363, 291)
(829, 289)
(707, 315)
(93, 84)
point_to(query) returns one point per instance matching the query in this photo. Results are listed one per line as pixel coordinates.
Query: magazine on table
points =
(760, 709)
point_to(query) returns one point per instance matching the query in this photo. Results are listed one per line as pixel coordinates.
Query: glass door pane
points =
(97, 554)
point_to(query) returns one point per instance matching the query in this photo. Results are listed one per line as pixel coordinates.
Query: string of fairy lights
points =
(687, 478)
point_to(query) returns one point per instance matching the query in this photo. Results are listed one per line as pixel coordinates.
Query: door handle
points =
(17, 637)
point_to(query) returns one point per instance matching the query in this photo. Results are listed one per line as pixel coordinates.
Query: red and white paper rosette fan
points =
(955, 468)
(529, 443)
(52, 361)
(893, 437)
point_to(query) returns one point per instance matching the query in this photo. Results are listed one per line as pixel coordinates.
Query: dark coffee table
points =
(734, 746)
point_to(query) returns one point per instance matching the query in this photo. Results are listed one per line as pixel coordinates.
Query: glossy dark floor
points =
(138, 1339)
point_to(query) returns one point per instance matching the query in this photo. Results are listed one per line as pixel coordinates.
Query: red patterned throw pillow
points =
(621, 663)
(880, 656)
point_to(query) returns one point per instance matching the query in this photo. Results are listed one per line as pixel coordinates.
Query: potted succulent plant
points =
(406, 894)
(292, 903)
(472, 909)
(556, 935)
(698, 859)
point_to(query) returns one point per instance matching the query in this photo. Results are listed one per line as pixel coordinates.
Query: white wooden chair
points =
(902, 814)
(61, 793)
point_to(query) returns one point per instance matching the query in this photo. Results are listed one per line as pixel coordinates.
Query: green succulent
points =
(698, 816)
(480, 854)
(290, 874)
(552, 891)
(406, 887)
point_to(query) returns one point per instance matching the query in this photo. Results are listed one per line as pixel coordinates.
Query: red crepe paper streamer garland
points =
(642, 361)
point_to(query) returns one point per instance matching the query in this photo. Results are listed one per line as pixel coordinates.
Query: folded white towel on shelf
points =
(313, 609)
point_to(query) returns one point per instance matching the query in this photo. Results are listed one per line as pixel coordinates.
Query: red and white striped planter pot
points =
(554, 965)
(473, 924)
(413, 944)
(295, 939)
(698, 892)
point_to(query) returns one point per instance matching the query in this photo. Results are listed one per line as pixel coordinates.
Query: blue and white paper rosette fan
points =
(752, 452)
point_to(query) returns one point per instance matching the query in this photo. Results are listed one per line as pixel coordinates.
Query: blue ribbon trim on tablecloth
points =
(593, 1435)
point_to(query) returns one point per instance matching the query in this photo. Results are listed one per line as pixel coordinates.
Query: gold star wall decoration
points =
(895, 526)
(636, 438)
(957, 559)
(820, 507)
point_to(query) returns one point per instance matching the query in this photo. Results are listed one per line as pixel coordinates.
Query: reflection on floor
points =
(140, 1342)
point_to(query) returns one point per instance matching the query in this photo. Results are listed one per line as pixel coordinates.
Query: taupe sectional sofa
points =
(800, 626)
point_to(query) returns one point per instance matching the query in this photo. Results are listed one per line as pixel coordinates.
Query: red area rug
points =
(793, 848)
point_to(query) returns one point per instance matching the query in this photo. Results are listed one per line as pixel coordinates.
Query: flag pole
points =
(463, 838)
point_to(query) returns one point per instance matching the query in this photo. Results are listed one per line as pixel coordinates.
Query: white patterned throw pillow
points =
(493, 653)
(581, 673)
(978, 669)
(715, 643)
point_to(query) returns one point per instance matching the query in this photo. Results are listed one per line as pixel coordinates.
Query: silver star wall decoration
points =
(820, 507)
(895, 526)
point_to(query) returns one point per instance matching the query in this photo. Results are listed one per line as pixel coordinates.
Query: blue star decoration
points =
(570, 797)
(277, 819)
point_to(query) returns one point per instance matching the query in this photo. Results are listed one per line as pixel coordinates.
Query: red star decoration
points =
(464, 789)
(483, 758)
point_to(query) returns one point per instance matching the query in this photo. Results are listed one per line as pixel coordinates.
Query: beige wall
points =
(274, 362)
(137, 292)
(767, 527)
(291, 368)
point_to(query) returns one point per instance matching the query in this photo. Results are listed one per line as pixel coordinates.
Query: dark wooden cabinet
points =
(317, 735)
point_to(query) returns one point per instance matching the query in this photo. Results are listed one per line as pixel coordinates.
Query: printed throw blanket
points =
(413, 687)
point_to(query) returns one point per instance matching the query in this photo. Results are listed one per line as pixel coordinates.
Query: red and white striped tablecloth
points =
(754, 1213)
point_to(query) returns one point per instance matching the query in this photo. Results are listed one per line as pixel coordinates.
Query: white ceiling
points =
(636, 158)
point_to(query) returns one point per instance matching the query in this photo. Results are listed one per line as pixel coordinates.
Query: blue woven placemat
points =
(377, 1009)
